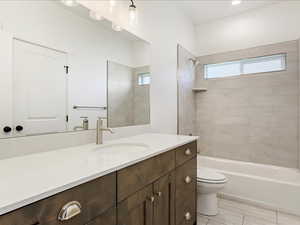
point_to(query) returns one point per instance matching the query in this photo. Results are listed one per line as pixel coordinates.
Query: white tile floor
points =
(235, 213)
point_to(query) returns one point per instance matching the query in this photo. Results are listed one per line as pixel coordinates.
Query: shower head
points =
(195, 61)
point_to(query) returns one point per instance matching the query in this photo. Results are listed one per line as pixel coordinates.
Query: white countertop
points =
(27, 179)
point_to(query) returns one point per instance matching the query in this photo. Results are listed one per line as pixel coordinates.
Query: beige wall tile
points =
(287, 219)
(251, 117)
(186, 98)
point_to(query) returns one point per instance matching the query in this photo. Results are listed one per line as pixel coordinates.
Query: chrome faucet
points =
(85, 124)
(99, 131)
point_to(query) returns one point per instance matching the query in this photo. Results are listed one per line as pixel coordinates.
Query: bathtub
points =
(272, 187)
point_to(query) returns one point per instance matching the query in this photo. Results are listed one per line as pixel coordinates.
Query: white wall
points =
(141, 56)
(271, 24)
(164, 26)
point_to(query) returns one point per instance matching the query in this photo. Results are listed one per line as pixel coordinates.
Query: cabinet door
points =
(164, 204)
(137, 209)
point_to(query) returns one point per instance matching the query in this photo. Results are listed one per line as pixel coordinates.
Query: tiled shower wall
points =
(120, 95)
(141, 98)
(252, 118)
(186, 99)
(129, 103)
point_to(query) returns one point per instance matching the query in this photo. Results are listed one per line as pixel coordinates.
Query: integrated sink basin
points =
(117, 153)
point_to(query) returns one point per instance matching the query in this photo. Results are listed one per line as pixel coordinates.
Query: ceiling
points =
(202, 11)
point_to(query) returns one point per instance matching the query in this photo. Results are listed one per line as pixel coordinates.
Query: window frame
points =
(242, 62)
(143, 75)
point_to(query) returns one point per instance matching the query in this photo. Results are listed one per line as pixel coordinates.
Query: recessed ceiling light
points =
(69, 3)
(236, 2)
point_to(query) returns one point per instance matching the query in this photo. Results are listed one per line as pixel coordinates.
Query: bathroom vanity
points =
(154, 182)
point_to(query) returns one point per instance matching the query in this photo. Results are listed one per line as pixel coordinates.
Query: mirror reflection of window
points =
(128, 95)
(144, 79)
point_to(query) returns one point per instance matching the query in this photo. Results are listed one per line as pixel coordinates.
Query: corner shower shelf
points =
(199, 89)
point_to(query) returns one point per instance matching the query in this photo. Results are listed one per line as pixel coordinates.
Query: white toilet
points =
(209, 183)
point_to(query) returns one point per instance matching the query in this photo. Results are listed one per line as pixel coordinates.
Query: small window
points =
(226, 69)
(144, 79)
(246, 66)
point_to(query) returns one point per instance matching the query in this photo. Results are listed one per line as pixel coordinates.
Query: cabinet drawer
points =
(107, 218)
(24, 216)
(186, 192)
(186, 152)
(135, 177)
(95, 197)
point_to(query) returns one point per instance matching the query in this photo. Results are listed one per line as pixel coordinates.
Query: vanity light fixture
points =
(95, 15)
(70, 3)
(132, 13)
(236, 2)
(116, 27)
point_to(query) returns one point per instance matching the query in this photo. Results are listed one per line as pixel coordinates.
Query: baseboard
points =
(255, 203)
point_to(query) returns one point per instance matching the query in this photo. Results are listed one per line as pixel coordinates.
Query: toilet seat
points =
(207, 175)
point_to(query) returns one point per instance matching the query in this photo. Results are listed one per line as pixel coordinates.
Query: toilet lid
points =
(206, 174)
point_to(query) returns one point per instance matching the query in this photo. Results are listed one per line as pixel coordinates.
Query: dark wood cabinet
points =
(186, 193)
(94, 197)
(164, 204)
(107, 218)
(135, 177)
(170, 199)
(137, 209)
(157, 191)
(153, 205)
(185, 153)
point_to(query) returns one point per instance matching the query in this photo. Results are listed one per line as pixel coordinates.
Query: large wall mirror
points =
(128, 90)
(56, 63)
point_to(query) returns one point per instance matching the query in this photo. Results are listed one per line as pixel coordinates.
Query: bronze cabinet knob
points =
(187, 179)
(151, 199)
(159, 194)
(188, 152)
(188, 216)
